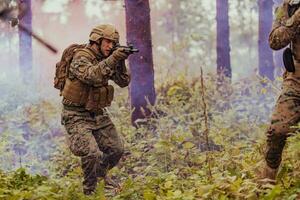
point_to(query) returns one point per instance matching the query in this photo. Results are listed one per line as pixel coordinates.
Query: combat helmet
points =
(107, 31)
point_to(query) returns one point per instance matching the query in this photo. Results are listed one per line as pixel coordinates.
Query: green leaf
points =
(168, 184)
(188, 145)
(149, 195)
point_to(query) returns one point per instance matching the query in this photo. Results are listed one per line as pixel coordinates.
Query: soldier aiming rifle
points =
(83, 76)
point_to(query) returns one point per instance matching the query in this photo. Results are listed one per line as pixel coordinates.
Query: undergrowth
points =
(167, 157)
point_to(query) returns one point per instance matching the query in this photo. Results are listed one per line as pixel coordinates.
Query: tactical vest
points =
(90, 97)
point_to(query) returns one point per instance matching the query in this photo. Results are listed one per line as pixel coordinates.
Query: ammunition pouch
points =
(91, 98)
(288, 60)
(99, 97)
(75, 91)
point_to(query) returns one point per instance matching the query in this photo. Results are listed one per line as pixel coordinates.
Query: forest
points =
(193, 118)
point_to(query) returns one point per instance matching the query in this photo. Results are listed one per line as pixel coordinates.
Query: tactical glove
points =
(294, 20)
(117, 56)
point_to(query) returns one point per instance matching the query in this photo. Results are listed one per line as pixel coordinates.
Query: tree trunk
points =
(265, 63)
(138, 29)
(223, 46)
(25, 41)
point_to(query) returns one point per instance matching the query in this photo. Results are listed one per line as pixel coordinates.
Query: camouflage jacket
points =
(95, 72)
(92, 70)
(286, 31)
(284, 28)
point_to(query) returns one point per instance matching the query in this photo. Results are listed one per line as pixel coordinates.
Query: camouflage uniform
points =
(287, 110)
(92, 135)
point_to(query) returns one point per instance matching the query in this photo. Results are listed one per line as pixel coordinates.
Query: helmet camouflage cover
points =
(104, 31)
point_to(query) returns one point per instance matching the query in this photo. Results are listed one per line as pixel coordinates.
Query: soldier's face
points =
(106, 46)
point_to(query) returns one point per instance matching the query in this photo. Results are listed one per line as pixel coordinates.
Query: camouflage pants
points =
(285, 115)
(95, 140)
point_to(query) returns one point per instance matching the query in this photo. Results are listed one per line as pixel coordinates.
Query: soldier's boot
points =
(268, 175)
(110, 183)
(88, 190)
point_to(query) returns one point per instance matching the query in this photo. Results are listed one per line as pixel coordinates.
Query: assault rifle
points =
(127, 49)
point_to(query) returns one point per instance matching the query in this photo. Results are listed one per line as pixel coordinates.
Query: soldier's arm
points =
(284, 29)
(121, 76)
(82, 68)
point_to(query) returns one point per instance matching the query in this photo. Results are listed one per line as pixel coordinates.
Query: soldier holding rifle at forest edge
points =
(285, 31)
(86, 92)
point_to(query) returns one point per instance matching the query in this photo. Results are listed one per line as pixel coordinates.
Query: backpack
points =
(62, 67)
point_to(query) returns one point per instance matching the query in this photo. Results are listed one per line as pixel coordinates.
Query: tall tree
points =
(138, 30)
(25, 40)
(223, 46)
(265, 54)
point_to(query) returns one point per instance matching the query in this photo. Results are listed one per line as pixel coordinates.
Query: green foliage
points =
(31, 132)
(167, 157)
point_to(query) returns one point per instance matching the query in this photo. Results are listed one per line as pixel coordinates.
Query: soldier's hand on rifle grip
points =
(120, 54)
(117, 56)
